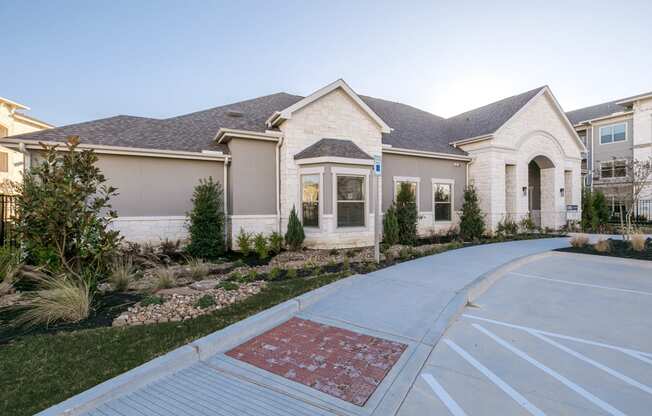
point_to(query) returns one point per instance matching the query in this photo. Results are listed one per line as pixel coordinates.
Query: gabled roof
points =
(412, 129)
(286, 113)
(487, 119)
(333, 148)
(602, 110)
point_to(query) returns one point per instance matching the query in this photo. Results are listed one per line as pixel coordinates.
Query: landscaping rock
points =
(180, 304)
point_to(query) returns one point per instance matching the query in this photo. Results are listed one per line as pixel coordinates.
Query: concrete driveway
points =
(564, 335)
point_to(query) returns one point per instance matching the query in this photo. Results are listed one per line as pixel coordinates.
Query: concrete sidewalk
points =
(411, 303)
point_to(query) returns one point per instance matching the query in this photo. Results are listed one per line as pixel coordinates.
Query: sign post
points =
(377, 208)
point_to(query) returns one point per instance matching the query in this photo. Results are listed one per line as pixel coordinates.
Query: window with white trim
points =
(613, 133)
(613, 169)
(413, 188)
(442, 201)
(310, 200)
(350, 201)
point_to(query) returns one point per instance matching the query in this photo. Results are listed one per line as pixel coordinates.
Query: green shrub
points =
(169, 247)
(406, 214)
(205, 302)
(507, 226)
(472, 224)
(588, 211)
(333, 252)
(122, 273)
(252, 276)
(244, 242)
(229, 286)
(294, 236)
(235, 277)
(601, 212)
(10, 265)
(390, 226)
(206, 220)
(261, 247)
(274, 273)
(63, 212)
(151, 300)
(346, 264)
(527, 224)
(275, 242)
(291, 273)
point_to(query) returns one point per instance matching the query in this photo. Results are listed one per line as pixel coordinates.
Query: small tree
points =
(294, 236)
(406, 214)
(638, 178)
(472, 220)
(601, 211)
(588, 212)
(390, 227)
(63, 212)
(206, 220)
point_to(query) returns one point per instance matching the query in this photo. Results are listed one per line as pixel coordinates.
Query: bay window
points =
(350, 201)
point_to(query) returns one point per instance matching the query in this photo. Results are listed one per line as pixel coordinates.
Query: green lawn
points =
(41, 370)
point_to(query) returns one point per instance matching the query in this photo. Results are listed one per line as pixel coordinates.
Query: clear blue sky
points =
(79, 60)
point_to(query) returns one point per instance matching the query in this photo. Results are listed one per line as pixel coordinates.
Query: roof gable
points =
(286, 114)
(333, 148)
(604, 109)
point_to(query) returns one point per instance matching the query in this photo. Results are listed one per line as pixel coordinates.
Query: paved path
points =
(401, 303)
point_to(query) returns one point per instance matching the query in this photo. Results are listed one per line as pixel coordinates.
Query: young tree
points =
(63, 212)
(472, 220)
(406, 214)
(601, 211)
(588, 212)
(390, 227)
(638, 179)
(294, 236)
(206, 220)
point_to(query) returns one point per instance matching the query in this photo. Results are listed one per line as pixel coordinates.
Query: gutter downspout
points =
(226, 202)
(278, 183)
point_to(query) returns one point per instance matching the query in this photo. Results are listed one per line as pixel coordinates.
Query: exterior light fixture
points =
(525, 191)
(561, 191)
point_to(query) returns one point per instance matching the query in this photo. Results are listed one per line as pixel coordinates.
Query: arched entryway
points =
(541, 188)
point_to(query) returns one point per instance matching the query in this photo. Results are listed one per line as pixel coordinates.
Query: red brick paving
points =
(332, 360)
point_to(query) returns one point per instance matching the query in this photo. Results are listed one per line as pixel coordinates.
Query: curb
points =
(471, 292)
(192, 353)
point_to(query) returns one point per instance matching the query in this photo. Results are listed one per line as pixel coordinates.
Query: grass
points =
(42, 370)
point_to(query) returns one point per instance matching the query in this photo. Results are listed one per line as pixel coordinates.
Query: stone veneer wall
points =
(335, 116)
(151, 229)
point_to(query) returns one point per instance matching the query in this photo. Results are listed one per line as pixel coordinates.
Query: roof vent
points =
(232, 113)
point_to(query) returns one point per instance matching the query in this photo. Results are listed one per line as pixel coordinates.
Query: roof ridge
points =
(611, 101)
(401, 103)
(248, 100)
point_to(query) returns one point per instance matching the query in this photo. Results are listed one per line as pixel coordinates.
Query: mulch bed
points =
(335, 361)
(619, 248)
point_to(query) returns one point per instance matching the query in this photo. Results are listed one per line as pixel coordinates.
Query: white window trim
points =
(612, 135)
(346, 171)
(411, 179)
(451, 182)
(312, 171)
(613, 168)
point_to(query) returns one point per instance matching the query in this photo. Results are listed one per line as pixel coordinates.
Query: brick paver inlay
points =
(342, 363)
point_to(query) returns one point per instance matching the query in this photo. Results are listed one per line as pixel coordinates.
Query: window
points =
(350, 201)
(613, 169)
(442, 201)
(397, 188)
(4, 162)
(310, 200)
(613, 133)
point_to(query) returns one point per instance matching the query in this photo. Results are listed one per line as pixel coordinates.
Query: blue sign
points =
(377, 165)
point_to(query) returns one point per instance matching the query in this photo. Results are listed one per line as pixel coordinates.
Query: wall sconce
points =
(525, 191)
(561, 191)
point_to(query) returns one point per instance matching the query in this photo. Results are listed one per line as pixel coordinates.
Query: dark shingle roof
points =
(334, 148)
(411, 128)
(486, 119)
(599, 110)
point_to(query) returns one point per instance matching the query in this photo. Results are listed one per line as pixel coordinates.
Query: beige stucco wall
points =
(252, 181)
(153, 186)
(426, 170)
(337, 116)
(538, 129)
